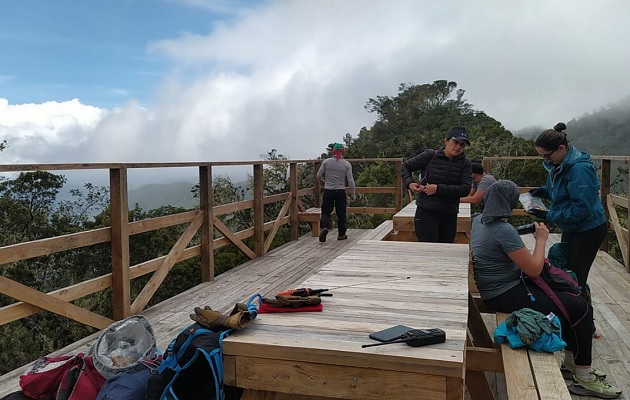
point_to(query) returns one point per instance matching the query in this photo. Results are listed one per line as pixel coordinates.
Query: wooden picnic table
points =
(375, 285)
(404, 229)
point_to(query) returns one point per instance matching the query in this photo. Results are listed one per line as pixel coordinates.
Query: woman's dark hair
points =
(551, 139)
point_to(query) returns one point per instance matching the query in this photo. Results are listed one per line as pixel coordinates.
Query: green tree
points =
(26, 204)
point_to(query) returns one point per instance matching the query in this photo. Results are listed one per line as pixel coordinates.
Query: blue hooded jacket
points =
(573, 188)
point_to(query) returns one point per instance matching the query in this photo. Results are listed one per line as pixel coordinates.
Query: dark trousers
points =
(583, 247)
(435, 227)
(579, 338)
(334, 199)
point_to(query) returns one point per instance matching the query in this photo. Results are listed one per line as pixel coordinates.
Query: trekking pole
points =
(367, 283)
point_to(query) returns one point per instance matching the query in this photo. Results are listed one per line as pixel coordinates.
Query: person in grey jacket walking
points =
(334, 172)
(446, 175)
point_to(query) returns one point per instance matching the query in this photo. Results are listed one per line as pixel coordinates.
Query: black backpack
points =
(192, 367)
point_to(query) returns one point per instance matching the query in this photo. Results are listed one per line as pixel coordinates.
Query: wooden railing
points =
(203, 221)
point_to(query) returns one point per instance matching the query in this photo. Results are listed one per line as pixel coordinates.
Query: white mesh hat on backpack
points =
(123, 345)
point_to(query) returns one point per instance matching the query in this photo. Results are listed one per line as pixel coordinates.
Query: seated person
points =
(480, 183)
(499, 260)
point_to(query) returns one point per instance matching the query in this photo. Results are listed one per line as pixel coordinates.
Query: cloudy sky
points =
(213, 80)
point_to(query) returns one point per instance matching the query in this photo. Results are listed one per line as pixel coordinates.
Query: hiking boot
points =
(322, 234)
(568, 372)
(595, 387)
(342, 237)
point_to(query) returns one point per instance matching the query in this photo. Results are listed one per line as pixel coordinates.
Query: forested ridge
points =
(417, 118)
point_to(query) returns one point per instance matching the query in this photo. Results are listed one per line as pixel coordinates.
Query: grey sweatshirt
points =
(335, 172)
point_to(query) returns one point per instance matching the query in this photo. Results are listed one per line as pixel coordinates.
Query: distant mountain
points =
(602, 132)
(152, 196)
(529, 132)
(178, 194)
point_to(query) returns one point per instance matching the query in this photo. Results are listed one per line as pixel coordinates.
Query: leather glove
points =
(293, 301)
(209, 318)
(238, 318)
(537, 213)
(537, 192)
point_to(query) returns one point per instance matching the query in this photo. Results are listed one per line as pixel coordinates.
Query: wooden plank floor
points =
(294, 262)
(283, 268)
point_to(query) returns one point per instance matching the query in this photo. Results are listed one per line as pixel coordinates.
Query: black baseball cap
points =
(458, 133)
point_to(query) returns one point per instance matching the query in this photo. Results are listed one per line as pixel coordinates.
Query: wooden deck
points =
(295, 262)
(280, 269)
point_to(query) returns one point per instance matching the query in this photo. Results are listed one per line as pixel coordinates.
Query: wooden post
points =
(119, 215)
(603, 193)
(486, 165)
(207, 228)
(317, 187)
(399, 187)
(259, 211)
(293, 210)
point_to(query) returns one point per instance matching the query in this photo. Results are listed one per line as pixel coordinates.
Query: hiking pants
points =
(583, 247)
(334, 199)
(435, 227)
(579, 338)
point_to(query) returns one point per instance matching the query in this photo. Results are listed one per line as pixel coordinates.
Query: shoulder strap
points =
(425, 173)
(544, 286)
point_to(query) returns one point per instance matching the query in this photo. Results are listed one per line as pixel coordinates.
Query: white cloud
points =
(295, 75)
(36, 131)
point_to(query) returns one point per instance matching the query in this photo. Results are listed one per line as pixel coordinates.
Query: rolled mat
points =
(266, 308)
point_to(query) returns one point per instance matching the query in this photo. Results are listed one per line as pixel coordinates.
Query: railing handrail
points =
(120, 230)
(184, 164)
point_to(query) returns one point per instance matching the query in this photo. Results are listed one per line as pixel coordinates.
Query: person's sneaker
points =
(342, 237)
(568, 372)
(595, 387)
(322, 234)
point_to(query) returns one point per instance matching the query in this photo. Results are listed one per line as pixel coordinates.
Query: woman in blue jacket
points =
(573, 187)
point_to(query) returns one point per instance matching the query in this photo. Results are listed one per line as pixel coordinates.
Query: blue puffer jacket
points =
(573, 188)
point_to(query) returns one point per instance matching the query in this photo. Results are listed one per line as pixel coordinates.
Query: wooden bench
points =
(381, 232)
(312, 216)
(530, 374)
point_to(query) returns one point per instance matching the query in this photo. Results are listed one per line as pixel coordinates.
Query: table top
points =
(403, 219)
(410, 210)
(375, 285)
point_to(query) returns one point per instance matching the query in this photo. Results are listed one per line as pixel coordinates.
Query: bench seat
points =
(312, 216)
(530, 374)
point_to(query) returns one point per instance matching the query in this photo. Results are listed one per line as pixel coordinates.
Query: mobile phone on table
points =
(386, 335)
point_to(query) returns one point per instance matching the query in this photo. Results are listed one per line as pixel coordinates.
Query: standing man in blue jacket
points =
(446, 176)
(334, 172)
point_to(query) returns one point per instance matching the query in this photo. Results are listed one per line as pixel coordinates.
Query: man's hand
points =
(353, 197)
(537, 213)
